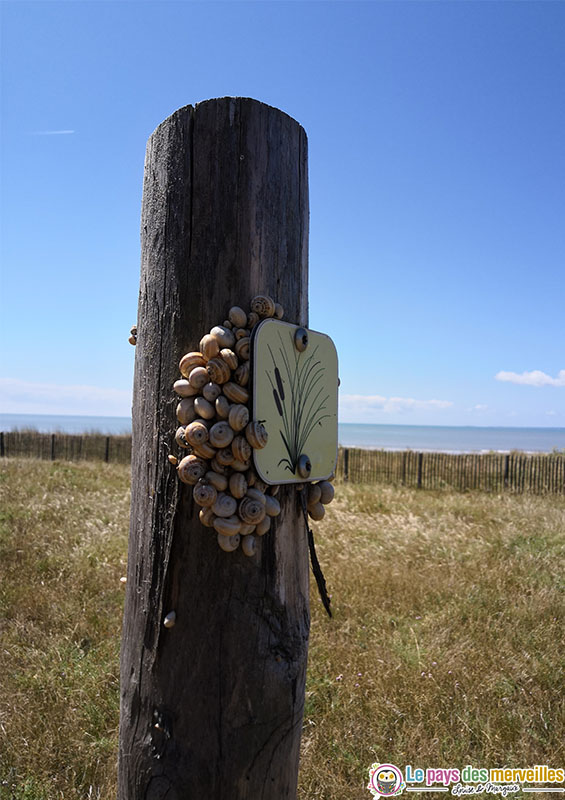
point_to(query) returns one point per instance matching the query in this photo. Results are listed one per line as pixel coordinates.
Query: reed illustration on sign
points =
(302, 407)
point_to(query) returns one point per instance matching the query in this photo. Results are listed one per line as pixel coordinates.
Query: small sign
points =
(295, 383)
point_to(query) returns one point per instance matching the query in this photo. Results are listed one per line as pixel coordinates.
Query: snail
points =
(238, 417)
(256, 435)
(252, 320)
(191, 469)
(235, 392)
(186, 411)
(209, 347)
(241, 375)
(206, 517)
(196, 433)
(202, 407)
(238, 485)
(211, 392)
(198, 377)
(204, 450)
(263, 305)
(184, 389)
(222, 407)
(180, 439)
(219, 482)
(225, 456)
(229, 357)
(204, 494)
(272, 506)
(228, 543)
(242, 348)
(316, 511)
(218, 370)
(313, 494)
(223, 336)
(240, 333)
(224, 505)
(170, 619)
(327, 492)
(189, 361)
(228, 526)
(241, 449)
(237, 317)
(251, 510)
(249, 545)
(263, 526)
(221, 435)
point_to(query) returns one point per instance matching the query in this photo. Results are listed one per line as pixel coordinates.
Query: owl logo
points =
(385, 780)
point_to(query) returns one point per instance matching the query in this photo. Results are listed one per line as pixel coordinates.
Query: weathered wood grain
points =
(211, 708)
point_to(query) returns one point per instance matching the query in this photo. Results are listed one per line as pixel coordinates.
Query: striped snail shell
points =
(225, 456)
(241, 448)
(249, 545)
(241, 375)
(222, 407)
(263, 526)
(219, 482)
(191, 469)
(223, 336)
(132, 339)
(202, 407)
(206, 517)
(256, 435)
(263, 305)
(218, 370)
(239, 466)
(279, 311)
(327, 492)
(251, 511)
(180, 438)
(317, 511)
(224, 505)
(235, 392)
(242, 348)
(211, 391)
(209, 347)
(218, 468)
(272, 506)
(229, 357)
(189, 361)
(227, 324)
(256, 494)
(184, 389)
(238, 417)
(204, 450)
(252, 320)
(221, 435)
(313, 494)
(237, 317)
(238, 485)
(250, 477)
(246, 529)
(196, 433)
(228, 543)
(204, 494)
(241, 333)
(198, 377)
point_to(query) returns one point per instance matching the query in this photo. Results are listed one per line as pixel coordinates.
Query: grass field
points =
(446, 648)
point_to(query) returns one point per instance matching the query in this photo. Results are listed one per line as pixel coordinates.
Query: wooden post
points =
(107, 450)
(346, 464)
(420, 465)
(52, 447)
(212, 707)
(1, 444)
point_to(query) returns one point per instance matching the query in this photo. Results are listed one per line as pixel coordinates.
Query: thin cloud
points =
(533, 378)
(51, 133)
(27, 397)
(367, 405)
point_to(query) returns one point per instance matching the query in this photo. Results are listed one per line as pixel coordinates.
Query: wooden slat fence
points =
(491, 472)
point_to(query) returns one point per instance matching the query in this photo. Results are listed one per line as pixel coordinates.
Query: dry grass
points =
(446, 646)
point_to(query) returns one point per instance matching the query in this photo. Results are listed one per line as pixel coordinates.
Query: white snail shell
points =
(327, 492)
(228, 526)
(204, 450)
(218, 370)
(238, 485)
(279, 311)
(241, 448)
(229, 357)
(239, 466)
(224, 505)
(241, 375)
(256, 435)
(196, 433)
(238, 417)
(219, 482)
(256, 494)
(225, 456)
(249, 545)
(263, 305)
(184, 389)
(209, 347)
(206, 517)
(223, 336)
(228, 543)
(189, 361)
(191, 469)
(211, 391)
(235, 392)
(223, 407)
(203, 408)
(221, 435)
(198, 377)
(242, 348)
(251, 511)
(204, 494)
(317, 511)
(220, 469)
(246, 529)
(272, 506)
(237, 317)
(313, 494)
(185, 410)
(263, 526)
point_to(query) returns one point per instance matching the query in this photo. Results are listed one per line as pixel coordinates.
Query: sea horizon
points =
(372, 436)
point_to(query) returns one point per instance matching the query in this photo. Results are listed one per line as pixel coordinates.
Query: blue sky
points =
(437, 192)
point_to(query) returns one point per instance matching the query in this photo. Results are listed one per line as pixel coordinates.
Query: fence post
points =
(1, 444)
(212, 707)
(107, 450)
(346, 464)
(52, 447)
(420, 463)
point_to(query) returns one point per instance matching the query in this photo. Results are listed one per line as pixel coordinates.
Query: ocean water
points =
(435, 438)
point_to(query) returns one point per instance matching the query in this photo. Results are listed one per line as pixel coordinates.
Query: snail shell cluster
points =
(133, 335)
(318, 495)
(217, 434)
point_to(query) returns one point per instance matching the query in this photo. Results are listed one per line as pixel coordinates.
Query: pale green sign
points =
(295, 379)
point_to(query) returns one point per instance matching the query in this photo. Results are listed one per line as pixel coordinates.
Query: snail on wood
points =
(242, 348)
(238, 485)
(180, 439)
(225, 456)
(186, 411)
(218, 370)
(191, 469)
(279, 311)
(263, 305)
(189, 361)
(252, 320)
(229, 357)
(249, 545)
(246, 529)
(251, 510)
(241, 448)
(224, 505)
(198, 377)
(313, 494)
(222, 407)
(256, 435)
(204, 450)
(206, 517)
(237, 317)
(183, 388)
(221, 435)
(228, 526)
(224, 336)
(272, 506)
(204, 494)
(256, 494)
(202, 407)
(228, 543)
(235, 392)
(240, 333)
(196, 433)
(238, 417)
(209, 347)
(241, 375)
(219, 482)
(327, 492)
(317, 511)
(263, 526)
(239, 466)
(211, 392)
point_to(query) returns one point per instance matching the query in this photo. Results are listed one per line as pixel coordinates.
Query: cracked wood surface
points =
(211, 708)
